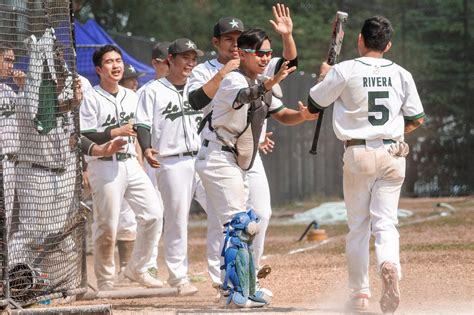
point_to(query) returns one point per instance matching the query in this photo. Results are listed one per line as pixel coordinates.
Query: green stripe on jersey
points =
(144, 126)
(88, 130)
(414, 117)
(276, 110)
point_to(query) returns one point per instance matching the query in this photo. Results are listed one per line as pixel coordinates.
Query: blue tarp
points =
(92, 34)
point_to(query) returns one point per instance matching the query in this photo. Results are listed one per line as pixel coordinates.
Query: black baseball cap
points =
(227, 25)
(160, 50)
(182, 45)
(130, 72)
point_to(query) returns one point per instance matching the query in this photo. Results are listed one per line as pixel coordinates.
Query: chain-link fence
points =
(42, 223)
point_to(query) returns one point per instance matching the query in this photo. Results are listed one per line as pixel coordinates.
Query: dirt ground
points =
(437, 256)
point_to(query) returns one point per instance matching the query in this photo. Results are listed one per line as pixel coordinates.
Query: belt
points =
(189, 153)
(223, 148)
(56, 170)
(352, 142)
(119, 156)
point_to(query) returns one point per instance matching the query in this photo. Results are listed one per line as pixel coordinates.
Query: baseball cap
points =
(160, 50)
(182, 45)
(130, 72)
(227, 25)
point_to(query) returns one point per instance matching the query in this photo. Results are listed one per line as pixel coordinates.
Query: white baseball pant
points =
(112, 182)
(259, 200)
(127, 225)
(372, 183)
(223, 181)
(176, 180)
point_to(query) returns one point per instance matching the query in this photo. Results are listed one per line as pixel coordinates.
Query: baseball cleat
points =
(390, 291)
(144, 278)
(187, 289)
(359, 303)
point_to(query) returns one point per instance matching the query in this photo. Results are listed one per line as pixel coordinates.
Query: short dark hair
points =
(4, 46)
(99, 53)
(252, 38)
(377, 32)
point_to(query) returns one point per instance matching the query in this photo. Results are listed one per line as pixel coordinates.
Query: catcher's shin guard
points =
(240, 275)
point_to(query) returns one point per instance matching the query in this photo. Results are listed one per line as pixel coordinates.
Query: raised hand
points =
(280, 76)
(282, 22)
(230, 66)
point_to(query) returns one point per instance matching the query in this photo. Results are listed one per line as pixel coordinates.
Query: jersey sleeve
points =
(412, 108)
(197, 79)
(275, 106)
(89, 113)
(144, 114)
(230, 88)
(327, 91)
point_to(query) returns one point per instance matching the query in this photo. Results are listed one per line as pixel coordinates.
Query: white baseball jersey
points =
(8, 133)
(205, 71)
(170, 118)
(144, 86)
(372, 97)
(101, 110)
(226, 121)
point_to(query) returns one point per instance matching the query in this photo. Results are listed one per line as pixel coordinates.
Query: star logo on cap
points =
(190, 45)
(234, 23)
(131, 68)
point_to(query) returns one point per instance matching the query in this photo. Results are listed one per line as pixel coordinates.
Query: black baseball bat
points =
(337, 37)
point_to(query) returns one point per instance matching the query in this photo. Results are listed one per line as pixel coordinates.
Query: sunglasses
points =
(259, 53)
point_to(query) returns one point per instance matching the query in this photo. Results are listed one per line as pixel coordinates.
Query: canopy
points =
(89, 37)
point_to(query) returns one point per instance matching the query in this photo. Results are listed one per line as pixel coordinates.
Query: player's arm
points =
(411, 125)
(143, 121)
(291, 117)
(283, 25)
(328, 88)
(201, 97)
(88, 147)
(66, 105)
(412, 108)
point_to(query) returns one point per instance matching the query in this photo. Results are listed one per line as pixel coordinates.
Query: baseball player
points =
(159, 62)
(46, 170)
(9, 139)
(203, 85)
(105, 114)
(375, 103)
(167, 128)
(223, 179)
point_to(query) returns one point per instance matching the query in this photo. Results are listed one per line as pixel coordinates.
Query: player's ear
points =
(215, 41)
(387, 48)
(98, 70)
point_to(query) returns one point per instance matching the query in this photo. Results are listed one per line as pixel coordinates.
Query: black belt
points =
(119, 156)
(56, 170)
(189, 153)
(223, 148)
(362, 142)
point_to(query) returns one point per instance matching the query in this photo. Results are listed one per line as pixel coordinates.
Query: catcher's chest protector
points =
(246, 146)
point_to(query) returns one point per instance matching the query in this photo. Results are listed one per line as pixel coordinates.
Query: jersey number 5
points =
(374, 108)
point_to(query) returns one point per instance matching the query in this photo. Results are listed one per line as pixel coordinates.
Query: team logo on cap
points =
(191, 45)
(234, 23)
(131, 68)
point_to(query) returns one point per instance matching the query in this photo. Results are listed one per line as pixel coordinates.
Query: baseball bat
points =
(337, 37)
